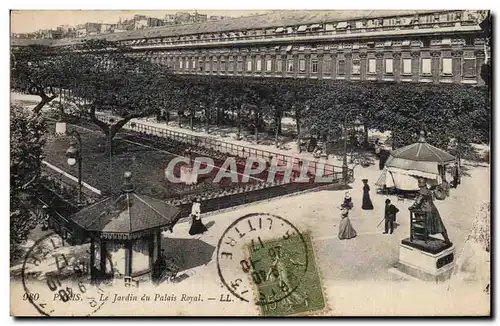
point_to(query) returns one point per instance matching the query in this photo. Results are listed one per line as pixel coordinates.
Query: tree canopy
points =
(26, 144)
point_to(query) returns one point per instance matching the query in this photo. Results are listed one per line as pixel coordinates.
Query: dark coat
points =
(390, 212)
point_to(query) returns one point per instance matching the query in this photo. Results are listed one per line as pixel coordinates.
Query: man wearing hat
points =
(390, 216)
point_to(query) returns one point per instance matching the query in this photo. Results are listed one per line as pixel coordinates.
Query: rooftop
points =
(126, 215)
(277, 19)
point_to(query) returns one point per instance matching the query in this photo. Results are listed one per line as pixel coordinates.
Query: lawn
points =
(297, 288)
(147, 164)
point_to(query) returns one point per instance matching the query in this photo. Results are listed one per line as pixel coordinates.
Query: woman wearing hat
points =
(367, 202)
(346, 231)
(197, 226)
(347, 204)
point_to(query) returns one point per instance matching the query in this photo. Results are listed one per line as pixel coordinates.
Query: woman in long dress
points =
(346, 231)
(425, 205)
(347, 204)
(367, 202)
(197, 226)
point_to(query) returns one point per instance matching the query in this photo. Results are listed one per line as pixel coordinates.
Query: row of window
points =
(259, 65)
(411, 20)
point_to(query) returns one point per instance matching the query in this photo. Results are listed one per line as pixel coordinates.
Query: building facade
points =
(400, 46)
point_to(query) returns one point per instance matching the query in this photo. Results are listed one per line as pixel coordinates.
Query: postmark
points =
(56, 281)
(251, 252)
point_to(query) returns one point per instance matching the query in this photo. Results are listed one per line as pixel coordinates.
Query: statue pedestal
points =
(431, 261)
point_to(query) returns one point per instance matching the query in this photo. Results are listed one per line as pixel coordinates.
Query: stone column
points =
(334, 65)
(415, 66)
(396, 66)
(480, 60)
(363, 65)
(348, 65)
(435, 66)
(307, 59)
(295, 65)
(320, 58)
(457, 66)
(380, 65)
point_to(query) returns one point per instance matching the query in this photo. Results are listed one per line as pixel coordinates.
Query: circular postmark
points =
(262, 252)
(57, 282)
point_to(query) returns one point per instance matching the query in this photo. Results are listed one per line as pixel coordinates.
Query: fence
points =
(313, 167)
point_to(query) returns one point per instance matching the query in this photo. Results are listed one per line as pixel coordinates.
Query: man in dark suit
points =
(390, 216)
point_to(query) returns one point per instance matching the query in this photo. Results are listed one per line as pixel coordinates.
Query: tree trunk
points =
(207, 122)
(393, 134)
(365, 136)
(239, 122)
(297, 122)
(45, 99)
(276, 135)
(191, 122)
(179, 119)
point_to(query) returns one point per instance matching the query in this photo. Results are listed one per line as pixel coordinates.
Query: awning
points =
(289, 48)
(280, 30)
(329, 27)
(301, 48)
(406, 43)
(422, 166)
(388, 43)
(355, 46)
(446, 41)
(242, 33)
(302, 28)
(289, 30)
(314, 26)
(342, 25)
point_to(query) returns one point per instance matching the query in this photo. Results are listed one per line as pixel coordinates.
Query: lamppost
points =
(345, 168)
(74, 154)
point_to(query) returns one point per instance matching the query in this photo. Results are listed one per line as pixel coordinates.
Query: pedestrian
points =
(367, 202)
(377, 147)
(456, 175)
(382, 159)
(197, 226)
(167, 117)
(390, 216)
(346, 231)
(347, 204)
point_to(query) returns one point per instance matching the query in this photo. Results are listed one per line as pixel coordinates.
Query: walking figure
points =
(347, 204)
(197, 226)
(367, 202)
(390, 216)
(346, 231)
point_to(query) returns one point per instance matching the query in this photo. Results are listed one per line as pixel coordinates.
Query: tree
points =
(38, 70)
(111, 80)
(26, 145)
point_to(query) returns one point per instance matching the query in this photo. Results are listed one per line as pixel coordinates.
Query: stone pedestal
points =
(60, 128)
(431, 261)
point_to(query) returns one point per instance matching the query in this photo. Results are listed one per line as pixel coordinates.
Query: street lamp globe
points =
(71, 161)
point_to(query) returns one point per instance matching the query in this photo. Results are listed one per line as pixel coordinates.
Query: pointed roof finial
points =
(422, 137)
(127, 185)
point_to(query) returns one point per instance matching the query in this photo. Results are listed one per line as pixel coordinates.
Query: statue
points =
(424, 208)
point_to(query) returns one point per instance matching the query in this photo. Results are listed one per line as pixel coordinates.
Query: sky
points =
(25, 21)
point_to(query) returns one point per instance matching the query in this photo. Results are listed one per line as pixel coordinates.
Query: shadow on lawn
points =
(189, 252)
